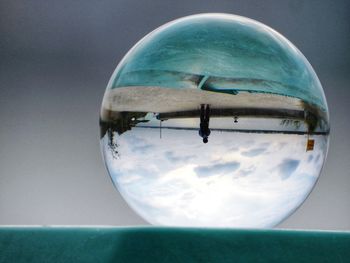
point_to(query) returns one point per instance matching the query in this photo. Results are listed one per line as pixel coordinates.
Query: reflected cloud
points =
(254, 152)
(282, 145)
(310, 158)
(248, 171)
(205, 180)
(317, 158)
(217, 169)
(143, 149)
(288, 167)
(172, 157)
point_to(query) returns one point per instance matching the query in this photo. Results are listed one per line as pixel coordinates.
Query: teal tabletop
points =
(152, 244)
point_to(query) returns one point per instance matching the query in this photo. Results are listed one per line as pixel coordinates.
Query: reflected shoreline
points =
(240, 130)
(204, 114)
(125, 108)
(123, 121)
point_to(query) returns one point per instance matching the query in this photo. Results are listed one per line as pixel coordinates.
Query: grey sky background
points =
(56, 58)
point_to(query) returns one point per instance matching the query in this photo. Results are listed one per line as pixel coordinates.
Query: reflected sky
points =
(236, 180)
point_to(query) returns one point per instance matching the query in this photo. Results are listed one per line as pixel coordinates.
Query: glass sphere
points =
(214, 120)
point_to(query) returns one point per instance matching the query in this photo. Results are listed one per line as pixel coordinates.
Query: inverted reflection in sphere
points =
(214, 120)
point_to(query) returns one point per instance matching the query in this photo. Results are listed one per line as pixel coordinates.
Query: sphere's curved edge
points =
(262, 169)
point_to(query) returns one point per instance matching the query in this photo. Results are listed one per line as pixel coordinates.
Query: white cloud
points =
(178, 180)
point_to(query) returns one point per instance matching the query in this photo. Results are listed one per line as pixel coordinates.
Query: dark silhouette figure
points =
(204, 130)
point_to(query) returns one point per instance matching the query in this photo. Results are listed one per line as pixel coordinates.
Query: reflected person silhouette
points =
(204, 130)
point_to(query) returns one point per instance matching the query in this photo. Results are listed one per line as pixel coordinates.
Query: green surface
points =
(149, 244)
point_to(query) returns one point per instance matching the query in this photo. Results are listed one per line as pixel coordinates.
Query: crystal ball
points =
(214, 120)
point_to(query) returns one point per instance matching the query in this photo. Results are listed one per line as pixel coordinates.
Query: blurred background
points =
(56, 58)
